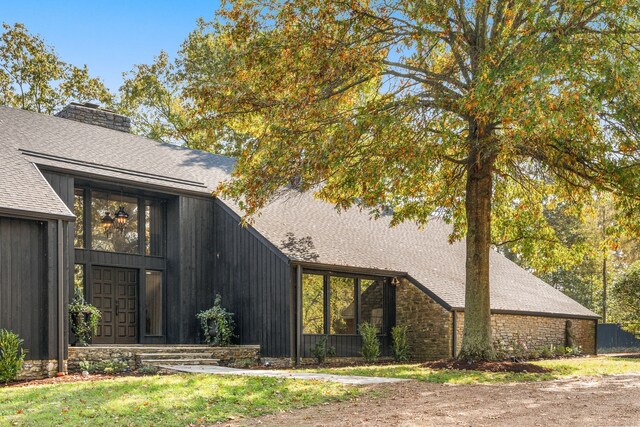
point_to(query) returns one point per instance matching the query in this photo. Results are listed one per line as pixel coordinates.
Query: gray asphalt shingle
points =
(303, 228)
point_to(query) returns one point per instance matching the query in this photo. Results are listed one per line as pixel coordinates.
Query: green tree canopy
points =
(476, 110)
(625, 294)
(33, 77)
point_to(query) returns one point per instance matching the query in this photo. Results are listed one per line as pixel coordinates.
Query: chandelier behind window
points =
(117, 222)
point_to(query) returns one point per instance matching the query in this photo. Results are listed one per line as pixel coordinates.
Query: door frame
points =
(89, 293)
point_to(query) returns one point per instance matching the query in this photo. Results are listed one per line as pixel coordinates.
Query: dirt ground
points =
(586, 401)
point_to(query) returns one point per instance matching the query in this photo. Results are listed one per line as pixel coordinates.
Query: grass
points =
(560, 368)
(161, 400)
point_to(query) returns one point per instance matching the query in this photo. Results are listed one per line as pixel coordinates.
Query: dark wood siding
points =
(190, 268)
(254, 280)
(24, 289)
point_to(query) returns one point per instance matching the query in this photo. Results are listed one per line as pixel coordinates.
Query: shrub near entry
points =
(11, 355)
(217, 324)
(370, 342)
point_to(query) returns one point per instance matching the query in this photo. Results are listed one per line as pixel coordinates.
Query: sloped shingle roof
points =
(303, 228)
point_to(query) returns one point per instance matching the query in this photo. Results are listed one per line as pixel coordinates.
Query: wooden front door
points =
(114, 291)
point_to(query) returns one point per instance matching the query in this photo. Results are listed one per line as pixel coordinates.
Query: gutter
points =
(60, 297)
(454, 334)
(298, 314)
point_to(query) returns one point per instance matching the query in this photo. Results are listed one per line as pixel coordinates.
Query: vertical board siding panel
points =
(22, 284)
(255, 281)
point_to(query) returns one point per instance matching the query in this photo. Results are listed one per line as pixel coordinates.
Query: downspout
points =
(298, 314)
(60, 298)
(454, 334)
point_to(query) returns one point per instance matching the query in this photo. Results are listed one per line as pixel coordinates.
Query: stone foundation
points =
(235, 356)
(34, 369)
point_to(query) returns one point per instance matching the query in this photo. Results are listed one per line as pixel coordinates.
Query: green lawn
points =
(560, 368)
(161, 400)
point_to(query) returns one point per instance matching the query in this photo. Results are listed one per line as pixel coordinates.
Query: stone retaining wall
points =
(239, 356)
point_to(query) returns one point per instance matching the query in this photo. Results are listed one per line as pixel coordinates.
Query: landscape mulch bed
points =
(487, 366)
(71, 378)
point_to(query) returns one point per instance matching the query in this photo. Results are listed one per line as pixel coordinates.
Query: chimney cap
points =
(87, 105)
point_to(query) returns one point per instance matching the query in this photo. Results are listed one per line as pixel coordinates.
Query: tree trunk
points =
(476, 340)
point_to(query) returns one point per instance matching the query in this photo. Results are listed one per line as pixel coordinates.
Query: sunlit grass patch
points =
(162, 400)
(582, 366)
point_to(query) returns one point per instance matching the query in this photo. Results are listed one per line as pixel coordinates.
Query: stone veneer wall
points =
(92, 115)
(33, 369)
(536, 331)
(430, 326)
(428, 323)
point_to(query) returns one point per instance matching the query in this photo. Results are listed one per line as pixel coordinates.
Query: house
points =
(131, 222)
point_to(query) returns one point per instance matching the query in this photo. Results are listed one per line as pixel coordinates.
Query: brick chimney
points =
(92, 114)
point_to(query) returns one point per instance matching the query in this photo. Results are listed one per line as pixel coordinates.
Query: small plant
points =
(11, 355)
(548, 351)
(86, 366)
(148, 370)
(217, 324)
(114, 366)
(84, 318)
(370, 342)
(320, 351)
(400, 343)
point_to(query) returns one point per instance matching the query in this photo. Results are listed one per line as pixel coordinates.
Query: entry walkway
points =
(223, 370)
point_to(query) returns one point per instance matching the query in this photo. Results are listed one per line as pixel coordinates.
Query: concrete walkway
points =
(223, 370)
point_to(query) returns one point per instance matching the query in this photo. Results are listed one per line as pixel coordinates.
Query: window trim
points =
(141, 201)
(386, 312)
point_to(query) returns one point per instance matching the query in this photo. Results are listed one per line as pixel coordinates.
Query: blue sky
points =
(109, 36)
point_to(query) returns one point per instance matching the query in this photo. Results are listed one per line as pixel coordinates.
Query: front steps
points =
(137, 356)
(177, 358)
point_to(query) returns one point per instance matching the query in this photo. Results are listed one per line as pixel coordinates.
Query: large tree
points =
(474, 110)
(33, 77)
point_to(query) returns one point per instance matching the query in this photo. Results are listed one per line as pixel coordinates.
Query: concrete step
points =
(189, 362)
(153, 356)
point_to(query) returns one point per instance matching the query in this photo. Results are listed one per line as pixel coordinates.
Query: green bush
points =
(400, 343)
(11, 355)
(217, 324)
(84, 319)
(114, 366)
(320, 351)
(148, 370)
(370, 342)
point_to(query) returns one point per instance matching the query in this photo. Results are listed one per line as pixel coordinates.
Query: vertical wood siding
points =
(254, 280)
(24, 291)
(190, 269)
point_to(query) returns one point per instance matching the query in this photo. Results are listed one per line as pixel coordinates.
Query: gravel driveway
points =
(586, 401)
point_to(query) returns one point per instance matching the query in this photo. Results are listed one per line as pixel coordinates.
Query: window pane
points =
(153, 300)
(78, 211)
(78, 278)
(371, 302)
(125, 241)
(154, 225)
(312, 304)
(342, 305)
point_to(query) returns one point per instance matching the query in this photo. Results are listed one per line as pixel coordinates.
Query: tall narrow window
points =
(312, 304)
(78, 279)
(154, 226)
(371, 302)
(153, 300)
(78, 211)
(342, 305)
(125, 241)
